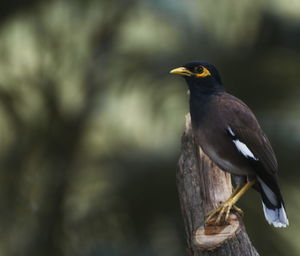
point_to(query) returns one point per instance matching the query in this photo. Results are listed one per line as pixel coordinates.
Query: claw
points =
(211, 214)
(221, 212)
(237, 209)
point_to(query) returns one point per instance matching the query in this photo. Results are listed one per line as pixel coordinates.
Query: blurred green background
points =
(91, 120)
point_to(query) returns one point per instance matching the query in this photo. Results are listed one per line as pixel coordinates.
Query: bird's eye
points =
(198, 69)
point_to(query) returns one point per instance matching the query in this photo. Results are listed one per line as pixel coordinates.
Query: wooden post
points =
(202, 186)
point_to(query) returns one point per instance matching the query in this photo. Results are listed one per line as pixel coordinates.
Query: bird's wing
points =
(259, 145)
(247, 134)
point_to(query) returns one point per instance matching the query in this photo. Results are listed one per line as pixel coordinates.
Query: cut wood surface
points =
(202, 186)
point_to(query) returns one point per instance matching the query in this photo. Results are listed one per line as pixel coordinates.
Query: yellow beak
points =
(181, 71)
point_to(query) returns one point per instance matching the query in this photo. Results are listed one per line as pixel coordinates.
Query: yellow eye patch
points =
(205, 72)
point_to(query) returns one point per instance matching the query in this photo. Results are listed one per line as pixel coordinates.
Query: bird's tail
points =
(273, 204)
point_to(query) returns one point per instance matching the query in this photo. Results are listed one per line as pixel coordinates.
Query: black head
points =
(199, 74)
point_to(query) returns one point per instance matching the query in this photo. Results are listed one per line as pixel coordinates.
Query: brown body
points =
(228, 111)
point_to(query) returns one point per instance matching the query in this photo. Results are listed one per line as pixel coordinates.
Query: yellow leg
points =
(229, 204)
(235, 190)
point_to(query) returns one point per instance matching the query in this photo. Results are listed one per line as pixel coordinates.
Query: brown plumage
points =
(229, 111)
(229, 133)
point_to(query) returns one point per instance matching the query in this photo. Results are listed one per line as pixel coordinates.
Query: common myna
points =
(228, 132)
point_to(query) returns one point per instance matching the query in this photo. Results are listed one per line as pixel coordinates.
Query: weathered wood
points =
(202, 186)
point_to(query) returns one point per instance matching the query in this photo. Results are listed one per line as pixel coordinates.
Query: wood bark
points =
(202, 186)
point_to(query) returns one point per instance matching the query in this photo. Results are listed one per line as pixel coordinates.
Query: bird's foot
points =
(220, 215)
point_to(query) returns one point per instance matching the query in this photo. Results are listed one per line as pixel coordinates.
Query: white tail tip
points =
(276, 217)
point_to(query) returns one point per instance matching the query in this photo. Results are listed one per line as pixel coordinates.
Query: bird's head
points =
(199, 75)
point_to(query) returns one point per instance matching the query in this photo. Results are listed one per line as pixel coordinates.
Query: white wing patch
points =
(231, 131)
(241, 147)
(244, 149)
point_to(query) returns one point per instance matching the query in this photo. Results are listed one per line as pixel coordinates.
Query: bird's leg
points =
(237, 209)
(235, 190)
(228, 205)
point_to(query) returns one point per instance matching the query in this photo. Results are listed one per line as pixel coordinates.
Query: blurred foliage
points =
(91, 121)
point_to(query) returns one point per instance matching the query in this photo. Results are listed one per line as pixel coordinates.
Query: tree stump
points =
(202, 186)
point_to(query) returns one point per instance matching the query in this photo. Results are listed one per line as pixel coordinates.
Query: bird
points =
(228, 132)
